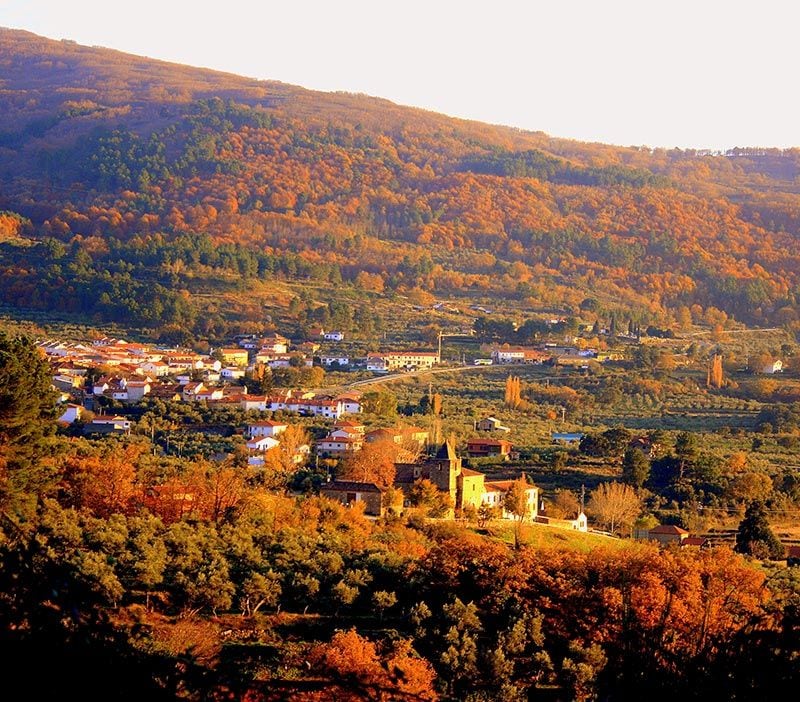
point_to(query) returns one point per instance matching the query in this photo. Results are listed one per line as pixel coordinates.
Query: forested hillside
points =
(140, 575)
(121, 174)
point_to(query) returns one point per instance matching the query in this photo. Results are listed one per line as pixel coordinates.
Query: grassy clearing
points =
(539, 536)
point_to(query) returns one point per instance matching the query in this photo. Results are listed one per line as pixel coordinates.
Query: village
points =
(135, 371)
(101, 381)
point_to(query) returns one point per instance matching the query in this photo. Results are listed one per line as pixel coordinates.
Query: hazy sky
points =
(656, 72)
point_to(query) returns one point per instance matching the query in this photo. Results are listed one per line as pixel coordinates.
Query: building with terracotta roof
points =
(267, 427)
(349, 492)
(465, 486)
(480, 448)
(667, 534)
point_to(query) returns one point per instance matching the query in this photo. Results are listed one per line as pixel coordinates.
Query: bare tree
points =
(564, 505)
(614, 505)
(516, 502)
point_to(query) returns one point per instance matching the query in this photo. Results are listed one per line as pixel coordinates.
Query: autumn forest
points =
(195, 212)
(185, 179)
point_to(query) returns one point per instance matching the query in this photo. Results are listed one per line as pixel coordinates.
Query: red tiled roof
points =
(469, 473)
(350, 486)
(694, 541)
(488, 442)
(668, 529)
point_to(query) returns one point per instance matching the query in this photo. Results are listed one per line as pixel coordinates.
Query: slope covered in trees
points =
(107, 160)
(135, 575)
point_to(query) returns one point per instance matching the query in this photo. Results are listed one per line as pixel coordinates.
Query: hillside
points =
(132, 188)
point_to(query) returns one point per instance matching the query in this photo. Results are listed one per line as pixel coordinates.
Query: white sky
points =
(701, 73)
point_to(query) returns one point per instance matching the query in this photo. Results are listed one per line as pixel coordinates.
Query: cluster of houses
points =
(262, 437)
(551, 353)
(464, 486)
(133, 372)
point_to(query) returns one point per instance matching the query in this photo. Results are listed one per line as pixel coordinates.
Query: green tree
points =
(460, 656)
(686, 451)
(197, 572)
(580, 670)
(383, 600)
(635, 467)
(382, 403)
(145, 555)
(259, 590)
(26, 417)
(754, 536)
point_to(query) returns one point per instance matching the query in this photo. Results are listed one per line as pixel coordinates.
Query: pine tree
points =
(635, 467)
(754, 535)
(27, 409)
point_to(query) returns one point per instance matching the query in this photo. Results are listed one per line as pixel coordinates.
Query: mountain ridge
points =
(102, 145)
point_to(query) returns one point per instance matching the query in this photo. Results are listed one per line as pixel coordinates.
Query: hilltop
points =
(187, 184)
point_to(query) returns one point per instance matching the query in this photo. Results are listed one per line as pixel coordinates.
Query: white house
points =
(258, 447)
(330, 360)
(254, 402)
(333, 336)
(495, 494)
(267, 427)
(208, 363)
(772, 367)
(262, 443)
(274, 344)
(331, 409)
(351, 402)
(102, 385)
(511, 355)
(71, 414)
(137, 389)
(376, 363)
(191, 390)
(339, 446)
(156, 369)
(209, 394)
(109, 425)
(343, 433)
(232, 373)
(579, 523)
(395, 360)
